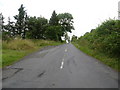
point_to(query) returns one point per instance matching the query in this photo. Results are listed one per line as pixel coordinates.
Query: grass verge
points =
(11, 56)
(106, 59)
(14, 50)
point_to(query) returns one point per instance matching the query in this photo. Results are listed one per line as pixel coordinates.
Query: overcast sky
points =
(87, 14)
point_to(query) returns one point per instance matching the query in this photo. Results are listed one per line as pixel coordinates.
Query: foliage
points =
(65, 20)
(16, 49)
(53, 33)
(59, 25)
(10, 56)
(5, 36)
(67, 38)
(105, 39)
(74, 38)
(10, 28)
(18, 44)
(36, 27)
(54, 30)
(110, 61)
(54, 19)
(21, 23)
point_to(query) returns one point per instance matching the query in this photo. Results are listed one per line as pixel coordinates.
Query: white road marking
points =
(61, 65)
(65, 50)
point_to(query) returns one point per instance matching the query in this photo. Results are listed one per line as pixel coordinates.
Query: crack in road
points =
(13, 73)
(41, 74)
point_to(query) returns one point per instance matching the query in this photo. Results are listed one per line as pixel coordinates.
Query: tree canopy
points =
(34, 27)
(66, 21)
(21, 19)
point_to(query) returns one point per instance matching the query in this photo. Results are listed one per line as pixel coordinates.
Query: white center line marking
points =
(62, 65)
(65, 50)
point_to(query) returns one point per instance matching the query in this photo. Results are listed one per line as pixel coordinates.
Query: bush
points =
(103, 43)
(105, 38)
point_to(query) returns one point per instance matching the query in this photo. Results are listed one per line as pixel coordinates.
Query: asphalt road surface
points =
(62, 66)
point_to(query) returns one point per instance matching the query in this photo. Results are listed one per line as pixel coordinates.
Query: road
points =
(62, 66)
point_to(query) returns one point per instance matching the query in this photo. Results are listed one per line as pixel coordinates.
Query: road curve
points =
(62, 66)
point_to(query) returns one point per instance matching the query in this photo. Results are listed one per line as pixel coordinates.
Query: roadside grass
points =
(104, 58)
(11, 56)
(40, 43)
(14, 50)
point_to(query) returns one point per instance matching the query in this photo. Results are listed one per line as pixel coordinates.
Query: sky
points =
(87, 14)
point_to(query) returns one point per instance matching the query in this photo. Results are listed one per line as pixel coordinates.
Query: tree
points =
(59, 25)
(65, 20)
(37, 27)
(54, 19)
(53, 31)
(74, 38)
(21, 21)
(1, 22)
(5, 34)
(104, 39)
(67, 38)
(10, 27)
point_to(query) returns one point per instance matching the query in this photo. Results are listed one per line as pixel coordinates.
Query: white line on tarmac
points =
(65, 50)
(61, 65)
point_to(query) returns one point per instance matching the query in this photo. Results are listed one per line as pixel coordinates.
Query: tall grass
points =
(18, 44)
(106, 59)
(15, 49)
(24, 44)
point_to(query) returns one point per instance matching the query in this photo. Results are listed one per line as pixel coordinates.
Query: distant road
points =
(62, 66)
